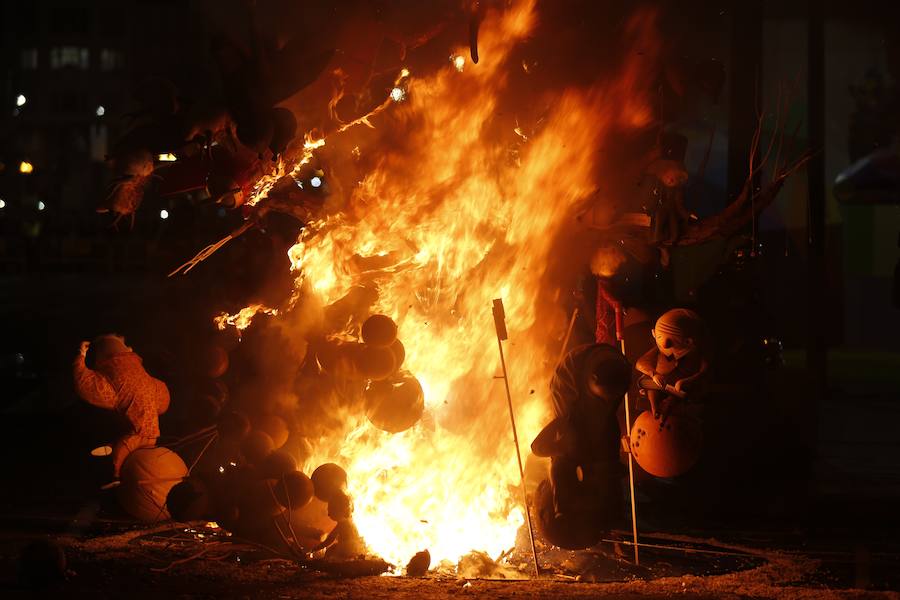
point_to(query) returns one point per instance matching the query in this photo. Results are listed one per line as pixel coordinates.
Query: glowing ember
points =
(397, 94)
(459, 61)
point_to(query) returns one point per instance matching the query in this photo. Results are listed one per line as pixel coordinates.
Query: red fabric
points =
(120, 383)
(605, 333)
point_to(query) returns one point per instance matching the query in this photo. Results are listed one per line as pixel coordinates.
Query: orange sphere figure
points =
(667, 447)
(399, 353)
(294, 490)
(328, 480)
(256, 446)
(275, 427)
(395, 406)
(213, 361)
(375, 362)
(379, 330)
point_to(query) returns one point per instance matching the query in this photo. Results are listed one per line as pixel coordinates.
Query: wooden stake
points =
(565, 344)
(620, 336)
(502, 334)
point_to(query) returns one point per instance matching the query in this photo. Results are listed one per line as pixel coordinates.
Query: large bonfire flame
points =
(455, 219)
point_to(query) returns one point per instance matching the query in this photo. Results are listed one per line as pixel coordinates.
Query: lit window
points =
(110, 60)
(28, 59)
(70, 56)
(167, 157)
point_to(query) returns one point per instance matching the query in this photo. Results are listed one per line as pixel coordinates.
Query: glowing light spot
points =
(21, 100)
(2, 203)
(167, 157)
(26, 167)
(398, 95)
(163, 214)
(41, 205)
(316, 182)
(100, 111)
(459, 62)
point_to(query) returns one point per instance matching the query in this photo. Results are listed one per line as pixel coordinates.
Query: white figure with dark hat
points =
(676, 366)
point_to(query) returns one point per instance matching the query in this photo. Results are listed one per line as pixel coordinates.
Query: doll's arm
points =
(91, 386)
(704, 367)
(647, 363)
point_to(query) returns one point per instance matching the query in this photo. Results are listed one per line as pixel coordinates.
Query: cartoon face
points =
(673, 346)
(674, 178)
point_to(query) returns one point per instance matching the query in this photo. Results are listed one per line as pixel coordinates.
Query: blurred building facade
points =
(68, 72)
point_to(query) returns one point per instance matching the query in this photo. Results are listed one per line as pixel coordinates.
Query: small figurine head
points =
(608, 373)
(340, 507)
(678, 332)
(670, 172)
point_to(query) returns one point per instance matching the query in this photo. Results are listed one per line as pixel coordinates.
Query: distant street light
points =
(26, 167)
(163, 214)
(41, 205)
(2, 203)
(21, 100)
(100, 111)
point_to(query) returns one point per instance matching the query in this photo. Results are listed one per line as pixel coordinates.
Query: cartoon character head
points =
(678, 332)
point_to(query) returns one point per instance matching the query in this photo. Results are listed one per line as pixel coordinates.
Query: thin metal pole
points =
(498, 318)
(565, 344)
(621, 337)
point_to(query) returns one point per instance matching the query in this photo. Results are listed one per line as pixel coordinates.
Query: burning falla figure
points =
(675, 367)
(582, 498)
(344, 541)
(109, 374)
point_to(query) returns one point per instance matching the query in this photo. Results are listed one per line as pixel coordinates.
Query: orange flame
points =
(462, 224)
(242, 319)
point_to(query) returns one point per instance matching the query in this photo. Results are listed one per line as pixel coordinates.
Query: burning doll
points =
(583, 495)
(344, 541)
(108, 374)
(676, 366)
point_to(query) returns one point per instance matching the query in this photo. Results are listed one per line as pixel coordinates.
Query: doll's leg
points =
(656, 398)
(125, 446)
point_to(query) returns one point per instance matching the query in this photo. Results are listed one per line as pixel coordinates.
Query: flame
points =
(461, 224)
(241, 319)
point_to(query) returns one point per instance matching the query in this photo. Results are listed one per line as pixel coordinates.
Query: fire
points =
(460, 224)
(241, 319)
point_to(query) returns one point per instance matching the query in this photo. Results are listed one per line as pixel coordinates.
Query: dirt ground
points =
(141, 563)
